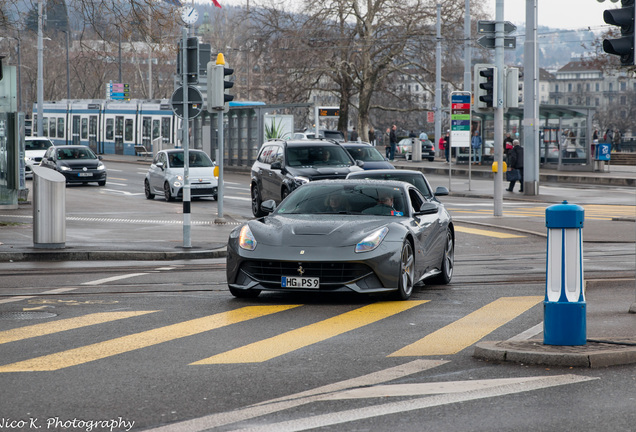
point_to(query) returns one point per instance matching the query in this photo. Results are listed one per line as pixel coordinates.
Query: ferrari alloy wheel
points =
(448, 261)
(166, 192)
(149, 194)
(256, 202)
(405, 282)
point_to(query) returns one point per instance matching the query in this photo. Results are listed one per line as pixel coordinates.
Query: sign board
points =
(603, 152)
(430, 117)
(510, 42)
(195, 102)
(328, 112)
(118, 91)
(460, 119)
(484, 27)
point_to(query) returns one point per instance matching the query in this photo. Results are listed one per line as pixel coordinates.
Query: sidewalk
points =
(611, 328)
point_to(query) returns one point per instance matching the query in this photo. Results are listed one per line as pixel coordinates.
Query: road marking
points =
(65, 324)
(292, 340)
(486, 233)
(299, 399)
(340, 417)
(470, 329)
(101, 350)
(19, 298)
(113, 278)
(525, 335)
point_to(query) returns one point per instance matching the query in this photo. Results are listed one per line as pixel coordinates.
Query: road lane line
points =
(299, 399)
(525, 335)
(101, 350)
(292, 340)
(470, 329)
(19, 298)
(65, 324)
(486, 233)
(341, 417)
(113, 278)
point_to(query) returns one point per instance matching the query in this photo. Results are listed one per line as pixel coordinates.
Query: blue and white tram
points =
(110, 127)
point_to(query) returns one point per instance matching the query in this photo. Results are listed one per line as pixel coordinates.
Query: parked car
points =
(77, 163)
(416, 178)
(324, 133)
(281, 166)
(368, 154)
(364, 236)
(34, 150)
(405, 149)
(166, 175)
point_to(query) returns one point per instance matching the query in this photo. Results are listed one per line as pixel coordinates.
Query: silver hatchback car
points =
(166, 175)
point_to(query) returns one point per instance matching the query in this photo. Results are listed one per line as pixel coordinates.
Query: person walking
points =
(393, 141)
(476, 145)
(387, 143)
(507, 145)
(515, 161)
(447, 145)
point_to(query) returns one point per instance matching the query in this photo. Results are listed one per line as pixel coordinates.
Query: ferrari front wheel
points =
(405, 281)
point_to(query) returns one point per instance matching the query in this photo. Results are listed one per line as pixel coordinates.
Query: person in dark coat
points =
(393, 141)
(515, 161)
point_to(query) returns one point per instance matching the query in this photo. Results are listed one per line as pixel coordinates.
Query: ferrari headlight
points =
(246, 238)
(372, 241)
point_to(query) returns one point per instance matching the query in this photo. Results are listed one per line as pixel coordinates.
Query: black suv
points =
(282, 166)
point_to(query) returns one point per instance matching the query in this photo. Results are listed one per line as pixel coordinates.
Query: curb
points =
(61, 255)
(595, 354)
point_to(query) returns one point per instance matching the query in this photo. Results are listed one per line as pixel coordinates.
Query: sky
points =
(565, 14)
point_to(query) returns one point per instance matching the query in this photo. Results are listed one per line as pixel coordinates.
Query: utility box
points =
(49, 209)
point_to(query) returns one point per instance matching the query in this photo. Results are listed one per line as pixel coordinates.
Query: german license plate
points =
(300, 282)
(85, 174)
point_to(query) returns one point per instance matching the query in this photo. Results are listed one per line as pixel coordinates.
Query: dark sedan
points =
(77, 163)
(416, 178)
(364, 236)
(368, 154)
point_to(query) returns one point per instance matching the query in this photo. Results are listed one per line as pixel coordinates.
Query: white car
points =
(166, 175)
(34, 147)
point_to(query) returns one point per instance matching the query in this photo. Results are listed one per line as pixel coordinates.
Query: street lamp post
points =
(40, 82)
(68, 68)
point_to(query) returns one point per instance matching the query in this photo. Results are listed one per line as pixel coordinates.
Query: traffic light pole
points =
(187, 224)
(499, 108)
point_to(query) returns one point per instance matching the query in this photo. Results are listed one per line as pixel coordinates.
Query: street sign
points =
(510, 42)
(117, 91)
(430, 117)
(484, 27)
(195, 102)
(328, 112)
(460, 119)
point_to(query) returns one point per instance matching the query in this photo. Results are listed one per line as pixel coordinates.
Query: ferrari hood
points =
(313, 230)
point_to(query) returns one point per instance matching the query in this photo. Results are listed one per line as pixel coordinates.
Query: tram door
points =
(75, 134)
(92, 134)
(119, 135)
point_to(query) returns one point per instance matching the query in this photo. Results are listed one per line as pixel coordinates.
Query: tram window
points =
(155, 129)
(129, 130)
(84, 128)
(60, 128)
(52, 132)
(45, 126)
(92, 126)
(110, 127)
(165, 128)
(146, 126)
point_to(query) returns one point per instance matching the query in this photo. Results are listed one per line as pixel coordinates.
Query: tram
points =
(109, 126)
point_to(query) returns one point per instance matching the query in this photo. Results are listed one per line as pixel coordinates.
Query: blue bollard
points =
(564, 308)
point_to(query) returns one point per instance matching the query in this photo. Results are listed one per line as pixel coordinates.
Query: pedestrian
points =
(507, 144)
(616, 140)
(440, 146)
(372, 139)
(447, 144)
(387, 143)
(475, 143)
(412, 135)
(515, 162)
(393, 141)
(354, 135)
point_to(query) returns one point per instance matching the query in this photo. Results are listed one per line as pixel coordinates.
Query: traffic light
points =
(192, 59)
(624, 18)
(485, 86)
(217, 98)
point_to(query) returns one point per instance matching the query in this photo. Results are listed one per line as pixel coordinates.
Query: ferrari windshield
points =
(326, 198)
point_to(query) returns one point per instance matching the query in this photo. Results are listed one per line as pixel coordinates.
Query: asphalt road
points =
(164, 346)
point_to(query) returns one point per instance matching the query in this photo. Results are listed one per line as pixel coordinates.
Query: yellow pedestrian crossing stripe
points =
(295, 339)
(468, 330)
(448, 340)
(97, 351)
(487, 233)
(65, 324)
(592, 211)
